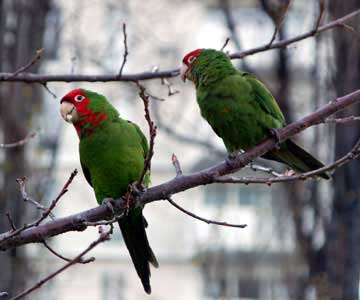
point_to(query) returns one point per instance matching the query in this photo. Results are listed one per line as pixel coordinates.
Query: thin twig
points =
(342, 120)
(19, 143)
(11, 221)
(225, 44)
(203, 219)
(47, 212)
(105, 222)
(102, 238)
(176, 164)
(280, 22)
(53, 203)
(321, 14)
(48, 90)
(268, 170)
(350, 29)
(81, 260)
(152, 133)
(21, 182)
(126, 52)
(30, 63)
(165, 82)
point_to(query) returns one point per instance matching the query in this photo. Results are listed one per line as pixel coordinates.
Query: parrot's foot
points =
(231, 158)
(110, 204)
(275, 135)
(136, 191)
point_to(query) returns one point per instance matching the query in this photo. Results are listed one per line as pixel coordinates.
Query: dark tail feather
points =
(134, 234)
(297, 158)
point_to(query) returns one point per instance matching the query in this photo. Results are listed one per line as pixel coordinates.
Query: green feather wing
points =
(145, 147)
(144, 143)
(264, 97)
(240, 109)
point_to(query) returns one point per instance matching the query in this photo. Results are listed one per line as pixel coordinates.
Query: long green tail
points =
(133, 231)
(297, 158)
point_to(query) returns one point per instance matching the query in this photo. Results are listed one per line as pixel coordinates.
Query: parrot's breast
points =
(113, 158)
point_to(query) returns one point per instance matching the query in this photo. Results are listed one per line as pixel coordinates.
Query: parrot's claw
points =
(275, 135)
(136, 191)
(110, 204)
(230, 159)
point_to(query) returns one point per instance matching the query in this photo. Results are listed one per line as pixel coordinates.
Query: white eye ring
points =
(79, 98)
(191, 59)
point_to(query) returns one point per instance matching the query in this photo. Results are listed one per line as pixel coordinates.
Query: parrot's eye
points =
(79, 98)
(191, 59)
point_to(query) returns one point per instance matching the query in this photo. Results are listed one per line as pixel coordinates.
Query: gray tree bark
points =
(343, 247)
(21, 34)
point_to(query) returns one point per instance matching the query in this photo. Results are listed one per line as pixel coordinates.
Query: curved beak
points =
(68, 112)
(184, 69)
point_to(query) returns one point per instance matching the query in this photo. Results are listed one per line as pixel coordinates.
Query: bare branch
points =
(225, 44)
(102, 238)
(44, 84)
(152, 134)
(42, 78)
(27, 198)
(285, 43)
(105, 222)
(81, 260)
(11, 221)
(203, 219)
(176, 164)
(321, 14)
(177, 184)
(19, 143)
(342, 120)
(280, 22)
(126, 52)
(45, 213)
(30, 63)
(264, 169)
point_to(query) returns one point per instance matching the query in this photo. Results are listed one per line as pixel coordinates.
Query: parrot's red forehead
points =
(192, 53)
(70, 95)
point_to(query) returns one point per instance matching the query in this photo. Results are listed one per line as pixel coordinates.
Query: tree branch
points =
(203, 219)
(27, 198)
(102, 238)
(351, 155)
(19, 143)
(126, 52)
(42, 78)
(152, 133)
(77, 222)
(81, 261)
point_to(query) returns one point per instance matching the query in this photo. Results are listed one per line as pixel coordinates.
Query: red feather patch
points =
(192, 53)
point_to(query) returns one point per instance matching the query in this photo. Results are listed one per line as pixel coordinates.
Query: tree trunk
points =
(343, 246)
(25, 23)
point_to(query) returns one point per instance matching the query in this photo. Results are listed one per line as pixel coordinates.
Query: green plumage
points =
(241, 110)
(112, 157)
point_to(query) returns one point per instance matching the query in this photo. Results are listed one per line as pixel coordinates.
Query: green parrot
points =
(240, 109)
(112, 153)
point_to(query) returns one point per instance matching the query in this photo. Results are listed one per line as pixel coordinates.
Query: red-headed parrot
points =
(239, 108)
(112, 152)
